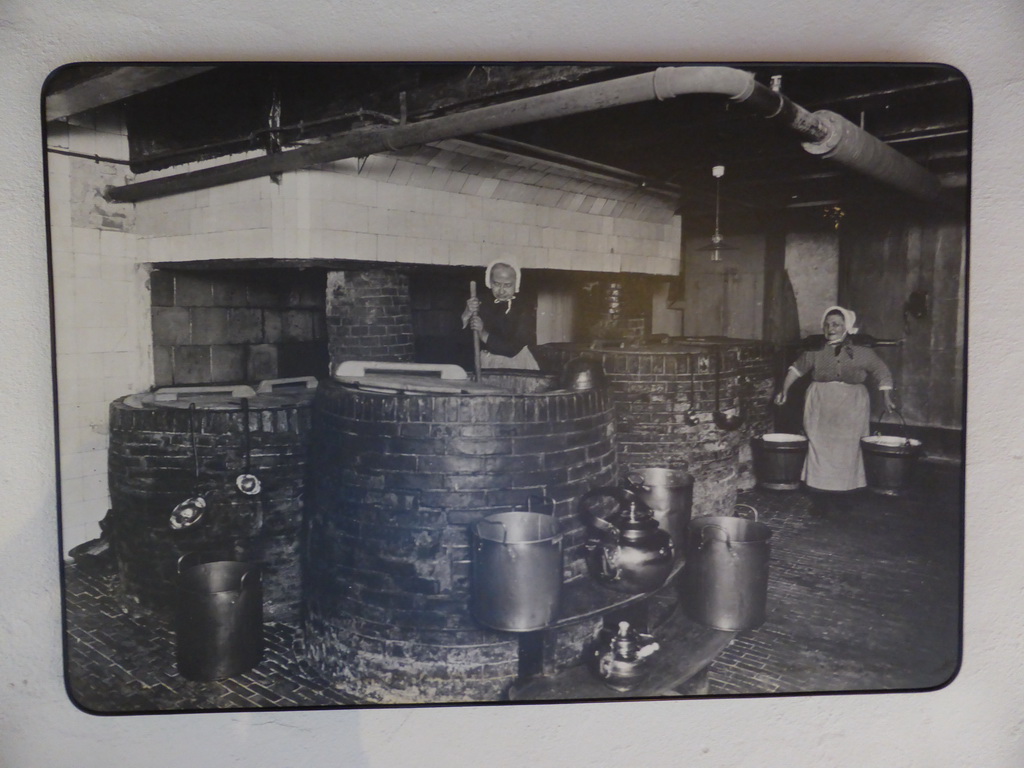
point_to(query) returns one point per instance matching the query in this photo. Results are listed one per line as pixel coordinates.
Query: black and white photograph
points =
(384, 383)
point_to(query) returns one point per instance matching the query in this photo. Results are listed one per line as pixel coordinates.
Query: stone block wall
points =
(237, 326)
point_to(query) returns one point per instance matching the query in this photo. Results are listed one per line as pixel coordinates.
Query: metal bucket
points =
(889, 460)
(219, 619)
(725, 581)
(516, 571)
(779, 460)
(669, 494)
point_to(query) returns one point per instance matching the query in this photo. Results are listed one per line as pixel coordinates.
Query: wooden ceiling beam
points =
(111, 84)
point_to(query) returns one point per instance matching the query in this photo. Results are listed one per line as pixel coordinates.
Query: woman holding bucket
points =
(837, 410)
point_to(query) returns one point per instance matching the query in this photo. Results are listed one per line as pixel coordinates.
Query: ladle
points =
(723, 420)
(247, 482)
(191, 510)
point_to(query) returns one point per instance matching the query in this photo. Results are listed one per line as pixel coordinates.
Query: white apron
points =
(523, 360)
(836, 417)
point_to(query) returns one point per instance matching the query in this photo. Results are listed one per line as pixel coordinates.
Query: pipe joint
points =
(831, 125)
(748, 89)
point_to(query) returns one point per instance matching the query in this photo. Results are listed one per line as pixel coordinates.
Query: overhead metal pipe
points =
(823, 133)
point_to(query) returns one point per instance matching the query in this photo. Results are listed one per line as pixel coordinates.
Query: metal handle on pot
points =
(746, 506)
(258, 577)
(622, 495)
(504, 528)
(725, 533)
(201, 557)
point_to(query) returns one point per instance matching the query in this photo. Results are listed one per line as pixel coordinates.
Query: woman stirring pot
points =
(837, 410)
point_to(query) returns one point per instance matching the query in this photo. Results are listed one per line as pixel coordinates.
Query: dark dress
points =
(511, 332)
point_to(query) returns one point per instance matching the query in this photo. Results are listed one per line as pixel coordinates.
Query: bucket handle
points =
(725, 533)
(903, 425)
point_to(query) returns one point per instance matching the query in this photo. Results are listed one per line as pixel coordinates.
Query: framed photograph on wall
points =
(443, 383)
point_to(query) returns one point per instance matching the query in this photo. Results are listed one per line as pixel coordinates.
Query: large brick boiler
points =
(397, 482)
(666, 396)
(363, 526)
(166, 447)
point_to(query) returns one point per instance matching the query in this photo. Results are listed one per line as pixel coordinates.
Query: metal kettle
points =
(622, 662)
(628, 551)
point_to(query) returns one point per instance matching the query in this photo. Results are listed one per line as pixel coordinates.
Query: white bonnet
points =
(849, 317)
(508, 263)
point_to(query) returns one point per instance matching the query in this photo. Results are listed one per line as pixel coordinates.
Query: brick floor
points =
(867, 600)
(120, 662)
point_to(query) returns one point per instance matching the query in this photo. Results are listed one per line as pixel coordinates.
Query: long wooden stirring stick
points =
(476, 336)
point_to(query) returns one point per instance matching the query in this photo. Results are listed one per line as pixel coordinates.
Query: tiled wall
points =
(240, 325)
(461, 206)
(101, 311)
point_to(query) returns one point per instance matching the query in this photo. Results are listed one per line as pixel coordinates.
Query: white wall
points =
(977, 721)
(103, 347)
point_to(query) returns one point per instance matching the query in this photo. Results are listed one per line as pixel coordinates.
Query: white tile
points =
(465, 253)
(487, 187)
(60, 238)
(346, 216)
(85, 240)
(290, 207)
(358, 245)
(87, 269)
(302, 243)
(114, 244)
(255, 244)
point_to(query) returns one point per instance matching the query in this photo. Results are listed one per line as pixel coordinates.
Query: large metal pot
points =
(669, 495)
(219, 619)
(725, 580)
(516, 571)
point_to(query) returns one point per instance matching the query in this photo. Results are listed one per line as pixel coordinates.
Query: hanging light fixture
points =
(717, 244)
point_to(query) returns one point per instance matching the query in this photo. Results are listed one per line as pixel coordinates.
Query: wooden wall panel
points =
(882, 263)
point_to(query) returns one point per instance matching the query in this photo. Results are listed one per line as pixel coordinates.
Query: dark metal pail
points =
(725, 580)
(779, 460)
(889, 460)
(516, 571)
(219, 623)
